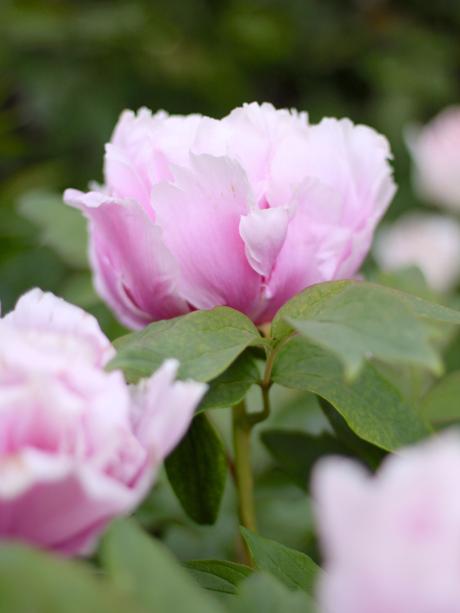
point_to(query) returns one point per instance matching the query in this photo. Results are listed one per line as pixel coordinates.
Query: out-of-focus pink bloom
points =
(244, 212)
(431, 242)
(77, 445)
(391, 542)
(435, 150)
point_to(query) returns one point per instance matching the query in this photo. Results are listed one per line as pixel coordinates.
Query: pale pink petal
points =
(391, 540)
(312, 249)
(134, 271)
(142, 148)
(164, 409)
(62, 502)
(44, 312)
(353, 161)
(200, 216)
(263, 232)
(339, 479)
(124, 179)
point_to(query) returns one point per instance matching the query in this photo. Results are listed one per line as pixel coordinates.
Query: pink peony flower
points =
(431, 242)
(391, 542)
(436, 154)
(244, 212)
(77, 445)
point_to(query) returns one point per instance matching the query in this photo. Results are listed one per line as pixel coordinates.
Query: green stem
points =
(243, 473)
(265, 386)
(243, 423)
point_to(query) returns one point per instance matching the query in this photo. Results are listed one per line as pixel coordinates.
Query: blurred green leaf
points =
(297, 452)
(218, 575)
(204, 342)
(20, 272)
(61, 228)
(442, 403)
(262, 592)
(36, 582)
(197, 471)
(410, 280)
(144, 568)
(370, 405)
(295, 569)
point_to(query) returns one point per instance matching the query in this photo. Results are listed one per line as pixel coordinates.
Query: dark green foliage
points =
(197, 471)
(69, 68)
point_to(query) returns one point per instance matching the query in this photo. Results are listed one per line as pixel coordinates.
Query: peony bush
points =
(236, 253)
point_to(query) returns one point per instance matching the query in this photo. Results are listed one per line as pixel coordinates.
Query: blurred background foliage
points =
(69, 67)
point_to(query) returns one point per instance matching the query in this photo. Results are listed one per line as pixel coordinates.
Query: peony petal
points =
(134, 271)
(44, 312)
(312, 248)
(391, 539)
(62, 502)
(142, 147)
(164, 409)
(339, 479)
(126, 180)
(200, 217)
(263, 232)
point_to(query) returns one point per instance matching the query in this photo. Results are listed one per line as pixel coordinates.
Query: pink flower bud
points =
(391, 542)
(77, 445)
(244, 212)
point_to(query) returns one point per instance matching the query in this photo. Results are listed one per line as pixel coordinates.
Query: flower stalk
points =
(243, 423)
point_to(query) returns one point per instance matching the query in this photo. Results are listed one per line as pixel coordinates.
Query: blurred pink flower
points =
(435, 151)
(391, 542)
(77, 445)
(244, 212)
(430, 242)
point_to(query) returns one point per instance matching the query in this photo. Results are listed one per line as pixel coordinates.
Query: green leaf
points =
(262, 593)
(442, 403)
(218, 575)
(232, 385)
(370, 405)
(205, 343)
(62, 228)
(306, 305)
(361, 449)
(297, 452)
(365, 320)
(197, 471)
(312, 303)
(357, 321)
(410, 280)
(145, 569)
(293, 568)
(33, 581)
(430, 310)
